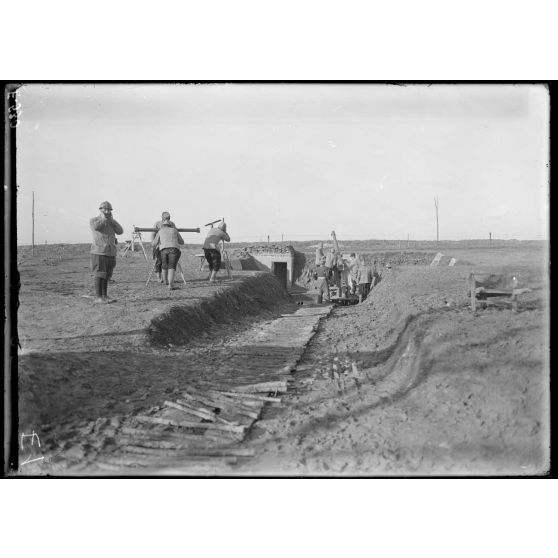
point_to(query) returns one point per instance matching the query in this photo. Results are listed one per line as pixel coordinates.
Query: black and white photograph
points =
(279, 279)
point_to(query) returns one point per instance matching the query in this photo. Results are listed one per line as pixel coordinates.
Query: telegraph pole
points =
(33, 225)
(436, 206)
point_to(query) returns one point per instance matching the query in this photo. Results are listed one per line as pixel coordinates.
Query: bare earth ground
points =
(410, 382)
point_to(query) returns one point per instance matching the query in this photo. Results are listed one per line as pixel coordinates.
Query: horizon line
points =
(401, 240)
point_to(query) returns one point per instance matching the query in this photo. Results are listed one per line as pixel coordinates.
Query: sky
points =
(292, 161)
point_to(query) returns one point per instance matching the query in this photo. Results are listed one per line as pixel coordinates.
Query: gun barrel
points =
(141, 229)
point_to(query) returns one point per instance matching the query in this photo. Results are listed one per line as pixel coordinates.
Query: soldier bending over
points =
(211, 248)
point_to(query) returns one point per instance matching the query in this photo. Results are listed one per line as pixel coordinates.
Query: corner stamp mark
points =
(34, 436)
(14, 109)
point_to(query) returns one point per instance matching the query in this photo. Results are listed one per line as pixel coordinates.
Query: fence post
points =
(473, 296)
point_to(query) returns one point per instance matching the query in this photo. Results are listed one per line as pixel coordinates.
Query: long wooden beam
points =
(141, 229)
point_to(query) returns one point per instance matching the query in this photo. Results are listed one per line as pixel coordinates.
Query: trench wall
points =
(249, 297)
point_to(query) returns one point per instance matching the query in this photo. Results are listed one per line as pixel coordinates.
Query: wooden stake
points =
(473, 294)
(140, 461)
(182, 456)
(216, 400)
(251, 396)
(263, 387)
(201, 442)
(191, 411)
(196, 452)
(212, 415)
(141, 434)
(186, 424)
(200, 399)
(245, 408)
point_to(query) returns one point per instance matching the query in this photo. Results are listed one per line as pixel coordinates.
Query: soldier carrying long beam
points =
(167, 243)
(156, 251)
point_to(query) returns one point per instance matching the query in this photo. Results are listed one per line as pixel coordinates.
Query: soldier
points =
(319, 254)
(337, 270)
(330, 259)
(103, 250)
(167, 242)
(156, 250)
(211, 248)
(352, 264)
(322, 285)
(364, 280)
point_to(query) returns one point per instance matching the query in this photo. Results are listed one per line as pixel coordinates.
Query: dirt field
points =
(410, 382)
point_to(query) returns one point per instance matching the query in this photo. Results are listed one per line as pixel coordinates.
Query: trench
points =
(213, 439)
(170, 440)
(199, 400)
(246, 299)
(402, 366)
(198, 427)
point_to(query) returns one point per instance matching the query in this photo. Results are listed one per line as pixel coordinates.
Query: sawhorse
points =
(136, 237)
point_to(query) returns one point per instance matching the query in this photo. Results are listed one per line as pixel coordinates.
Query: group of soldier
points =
(165, 242)
(351, 275)
(332, 269)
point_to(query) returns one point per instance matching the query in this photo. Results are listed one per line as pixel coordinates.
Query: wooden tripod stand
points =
(136, 237)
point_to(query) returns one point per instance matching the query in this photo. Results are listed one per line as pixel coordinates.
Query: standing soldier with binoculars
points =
(103, 250)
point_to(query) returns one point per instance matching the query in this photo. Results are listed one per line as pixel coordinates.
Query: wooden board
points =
(189, 424)
(437, 259)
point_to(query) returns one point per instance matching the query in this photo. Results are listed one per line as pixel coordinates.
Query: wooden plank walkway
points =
(198, 433)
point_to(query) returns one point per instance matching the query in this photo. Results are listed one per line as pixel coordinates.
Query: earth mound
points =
(180, 323)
